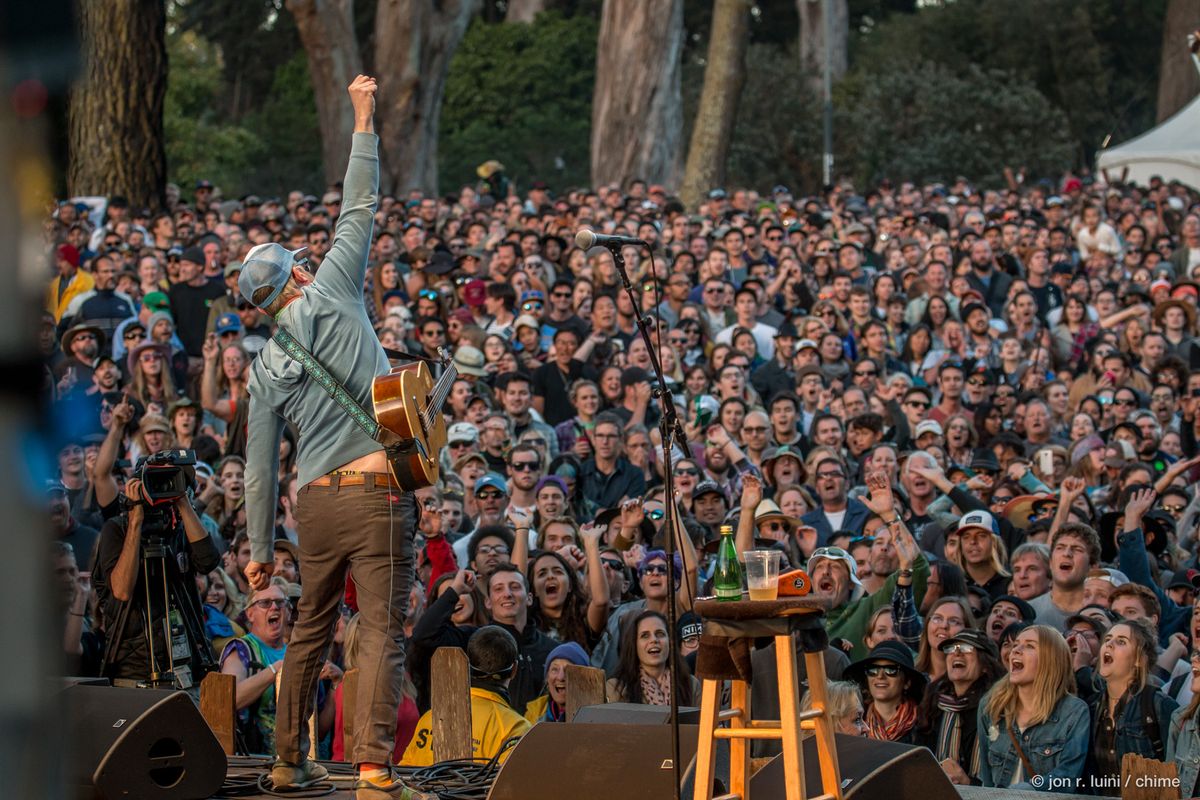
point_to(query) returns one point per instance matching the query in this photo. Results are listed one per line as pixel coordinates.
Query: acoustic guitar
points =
(408, 403)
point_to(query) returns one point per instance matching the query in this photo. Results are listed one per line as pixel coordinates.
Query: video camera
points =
(166, 476)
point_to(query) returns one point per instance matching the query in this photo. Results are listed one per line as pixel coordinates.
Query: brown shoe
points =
(391, 788)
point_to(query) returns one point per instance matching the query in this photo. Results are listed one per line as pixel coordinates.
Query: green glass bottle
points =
(727, 579)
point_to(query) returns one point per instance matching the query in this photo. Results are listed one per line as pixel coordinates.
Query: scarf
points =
(949, 733)
(656, 691)
(900, 725)
(554, 712)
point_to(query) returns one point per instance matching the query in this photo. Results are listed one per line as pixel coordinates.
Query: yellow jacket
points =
(493, 722)
(82, 282)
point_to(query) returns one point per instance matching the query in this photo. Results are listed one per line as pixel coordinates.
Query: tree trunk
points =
(1178, 81)
(416, 39)
(116, 108)
(524, 10)
(326, 30)
(812, 39)
(637, 106)
(723, 78)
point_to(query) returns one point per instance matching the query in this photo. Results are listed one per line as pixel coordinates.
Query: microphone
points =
(587, 239)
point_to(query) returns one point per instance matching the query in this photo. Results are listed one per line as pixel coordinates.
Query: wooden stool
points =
(726, 622)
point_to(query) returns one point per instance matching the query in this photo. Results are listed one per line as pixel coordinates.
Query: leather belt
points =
(372, 479)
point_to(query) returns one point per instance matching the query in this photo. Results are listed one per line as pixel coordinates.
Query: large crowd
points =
(970, 414)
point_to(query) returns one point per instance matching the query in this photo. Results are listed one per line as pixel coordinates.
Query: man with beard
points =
(102, 306)
(991, 283)
(1074, 550)
(834, 574)
(81, 345)
(1030, 570)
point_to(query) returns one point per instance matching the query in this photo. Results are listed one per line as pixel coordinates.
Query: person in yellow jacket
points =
(69, 283)
(492, 653)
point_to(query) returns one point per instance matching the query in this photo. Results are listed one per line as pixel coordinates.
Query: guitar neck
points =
(441, 390)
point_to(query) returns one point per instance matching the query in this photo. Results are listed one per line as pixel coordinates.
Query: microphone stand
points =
(669, 429)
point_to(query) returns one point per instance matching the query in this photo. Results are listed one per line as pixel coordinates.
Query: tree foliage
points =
(521, 94)
(923, 121)
(1096, 60)
(271, 149)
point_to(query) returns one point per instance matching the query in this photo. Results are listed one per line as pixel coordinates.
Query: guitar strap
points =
(330, 384)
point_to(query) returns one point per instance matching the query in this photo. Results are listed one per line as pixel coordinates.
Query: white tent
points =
(1171, 150)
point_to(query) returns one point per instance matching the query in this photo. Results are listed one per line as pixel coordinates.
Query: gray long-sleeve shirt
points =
(331, 322)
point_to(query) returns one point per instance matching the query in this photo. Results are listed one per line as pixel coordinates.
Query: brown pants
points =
(370, 530)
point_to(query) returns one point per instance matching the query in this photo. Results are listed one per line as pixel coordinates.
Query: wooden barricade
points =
(450, 699)
(217, 706)
(585, 687)
(1148, 779)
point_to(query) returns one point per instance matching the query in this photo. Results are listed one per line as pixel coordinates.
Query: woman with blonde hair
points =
(844, 705)
(1031, 725)
(1129, 714)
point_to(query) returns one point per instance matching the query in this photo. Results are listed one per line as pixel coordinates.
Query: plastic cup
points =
(762, 573)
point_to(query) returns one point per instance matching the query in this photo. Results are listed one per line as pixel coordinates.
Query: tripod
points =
(188, 655)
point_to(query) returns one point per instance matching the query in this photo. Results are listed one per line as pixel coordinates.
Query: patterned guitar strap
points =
(363, 418)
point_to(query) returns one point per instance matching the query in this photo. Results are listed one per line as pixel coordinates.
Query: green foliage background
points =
(967, 86)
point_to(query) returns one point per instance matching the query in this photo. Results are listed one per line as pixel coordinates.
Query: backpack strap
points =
(1150, 722)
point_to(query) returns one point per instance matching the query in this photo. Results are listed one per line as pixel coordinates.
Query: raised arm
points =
(103, 482)
(597, 581)
(751, 497)
(344, 269)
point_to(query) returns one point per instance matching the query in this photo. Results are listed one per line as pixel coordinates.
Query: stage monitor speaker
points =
(594, 761)
(635, 714)
(871, 770)
(141, 743)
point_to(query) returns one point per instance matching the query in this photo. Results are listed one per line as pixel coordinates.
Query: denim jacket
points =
(1183, 747)
(1132, 734)
(1057, 749)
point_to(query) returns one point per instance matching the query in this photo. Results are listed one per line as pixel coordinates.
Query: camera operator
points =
(119, 558)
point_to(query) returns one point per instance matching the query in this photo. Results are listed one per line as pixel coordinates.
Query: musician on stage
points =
(349, 511)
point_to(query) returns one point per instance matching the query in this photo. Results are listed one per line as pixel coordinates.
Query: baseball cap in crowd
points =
(193, 254)
(806, 344)
(855, 228)
(462, 432)
(233, 268)
(972, 308)
(979, 519)
(928, 426)
(1185, 580)
(469, 361)
(526, 321)
(228, 323)
(708, 487)
(204, 183)
(493, 480)
(154, 422)
(175, 251)
(331, 197)
(474, 292)
(717, 194)
(838, 554)
(787, 330)
(1023, 608)
(532, 295)
(984, 460)
(267, 265)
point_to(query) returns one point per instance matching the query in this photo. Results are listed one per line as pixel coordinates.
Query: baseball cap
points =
(193, 254)
(474, 292)
(157, 301)
(269, 265)
(331, 197)
(1027, 612)
(806, 344)
(708, 487)
(228, 323)
(493, 480)
(462, 432)
(837, 554)
(233, 268)
(979, 519)
(928, 426)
